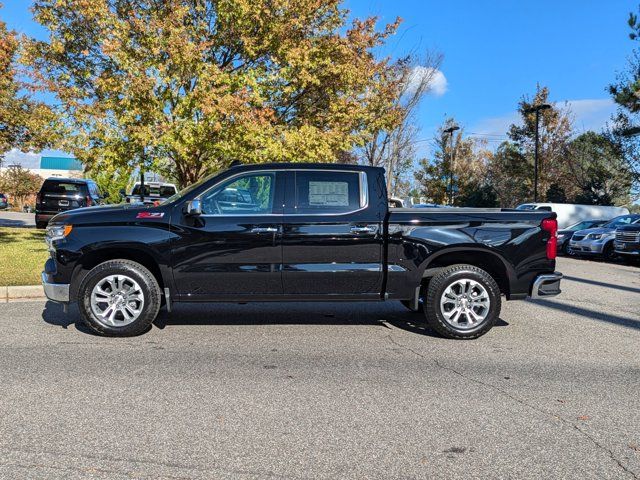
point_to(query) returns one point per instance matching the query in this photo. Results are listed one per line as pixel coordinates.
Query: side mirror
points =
(194, 207)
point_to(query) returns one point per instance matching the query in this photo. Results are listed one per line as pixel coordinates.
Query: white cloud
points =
(438, 84)
(16, 157)
(587, 114)
(591, 114)
(495, 125)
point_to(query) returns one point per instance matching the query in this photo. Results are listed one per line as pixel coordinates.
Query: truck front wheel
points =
(463, 302)
(119, 298)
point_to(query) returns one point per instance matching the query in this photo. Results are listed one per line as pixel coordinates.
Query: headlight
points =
(57, 232)
(595, 236)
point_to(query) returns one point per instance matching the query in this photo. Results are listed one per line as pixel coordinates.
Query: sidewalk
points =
(25, 293)
(17, 219)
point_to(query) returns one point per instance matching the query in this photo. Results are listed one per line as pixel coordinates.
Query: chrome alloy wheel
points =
(117, 300)
(465, 304)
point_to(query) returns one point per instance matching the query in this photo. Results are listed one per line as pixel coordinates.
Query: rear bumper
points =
(546, 285)
(57, 292)
(44, 217)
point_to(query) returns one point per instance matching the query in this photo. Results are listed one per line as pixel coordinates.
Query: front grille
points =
(627, 236)
(577, 238)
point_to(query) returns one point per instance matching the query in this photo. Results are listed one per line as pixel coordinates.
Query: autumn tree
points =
(469, 167)
(625, 91)
(19, 184)
(185, 88)
(395, 148)
(512, 168)
(23, 121)
(511, 175)
(598, 167)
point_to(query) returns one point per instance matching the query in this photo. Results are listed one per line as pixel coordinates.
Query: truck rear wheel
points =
(463, 302)
(119, 298)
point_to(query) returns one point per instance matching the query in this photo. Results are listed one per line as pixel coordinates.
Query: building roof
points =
(60, 163)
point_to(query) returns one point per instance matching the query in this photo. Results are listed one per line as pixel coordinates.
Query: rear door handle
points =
(264, 230)
(356, 229)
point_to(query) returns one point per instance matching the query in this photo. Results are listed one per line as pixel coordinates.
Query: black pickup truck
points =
(297, 232)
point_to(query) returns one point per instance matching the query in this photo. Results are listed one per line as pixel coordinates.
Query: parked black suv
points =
(62, 194)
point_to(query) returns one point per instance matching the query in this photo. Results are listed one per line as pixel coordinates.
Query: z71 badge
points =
(150, 215)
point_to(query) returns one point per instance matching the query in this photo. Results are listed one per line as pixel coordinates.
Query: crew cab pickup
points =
(297, 232)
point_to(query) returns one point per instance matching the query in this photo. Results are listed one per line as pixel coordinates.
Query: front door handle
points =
(356, 229)
(264, 230)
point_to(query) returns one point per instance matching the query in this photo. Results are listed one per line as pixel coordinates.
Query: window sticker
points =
(332, 194)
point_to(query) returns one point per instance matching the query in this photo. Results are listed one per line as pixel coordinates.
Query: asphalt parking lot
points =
(330, 391)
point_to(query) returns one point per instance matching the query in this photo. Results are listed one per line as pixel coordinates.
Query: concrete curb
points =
(23, 293)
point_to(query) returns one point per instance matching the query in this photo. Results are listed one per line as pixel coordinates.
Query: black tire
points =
(608, 253)
(150, 292)
(41, 225)
(441, 281)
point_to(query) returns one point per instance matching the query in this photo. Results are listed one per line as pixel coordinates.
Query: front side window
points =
(319, 192)
(251, 194)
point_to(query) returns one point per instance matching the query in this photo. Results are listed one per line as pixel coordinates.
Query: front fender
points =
(87, 245)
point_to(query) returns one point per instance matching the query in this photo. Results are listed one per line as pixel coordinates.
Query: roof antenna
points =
(235, 163)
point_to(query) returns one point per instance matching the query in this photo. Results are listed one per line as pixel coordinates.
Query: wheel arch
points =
(493, 263)
(134, 253)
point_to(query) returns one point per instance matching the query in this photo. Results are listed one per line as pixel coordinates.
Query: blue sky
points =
(494, 52)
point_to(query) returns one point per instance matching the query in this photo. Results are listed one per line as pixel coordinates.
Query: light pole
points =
(536, 109)
(450, 131)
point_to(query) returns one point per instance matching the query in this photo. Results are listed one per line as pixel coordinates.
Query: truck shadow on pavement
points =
(590, 314)
(601, 284)
(268, 314)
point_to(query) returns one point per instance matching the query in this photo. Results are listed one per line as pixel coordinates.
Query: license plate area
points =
(63, 203)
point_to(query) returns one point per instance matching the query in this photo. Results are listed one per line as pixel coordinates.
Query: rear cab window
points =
(154, 190)
(329, 192)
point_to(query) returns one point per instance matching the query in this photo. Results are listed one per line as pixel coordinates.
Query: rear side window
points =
(63, 188)
(319, 192)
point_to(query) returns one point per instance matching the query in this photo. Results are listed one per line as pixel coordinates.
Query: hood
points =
(601, 230)
(124, 212)
(634, 227)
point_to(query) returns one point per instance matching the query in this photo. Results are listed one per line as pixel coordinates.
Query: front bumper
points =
(590, 246)
(57, 292)
(546, 285)
(627, 248)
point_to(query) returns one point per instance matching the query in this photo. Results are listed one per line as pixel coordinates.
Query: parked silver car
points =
(599, 241)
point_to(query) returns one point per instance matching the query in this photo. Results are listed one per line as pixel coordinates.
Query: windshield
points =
(526, 207)
(619, 221)
(584, 225)
(189, 189)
